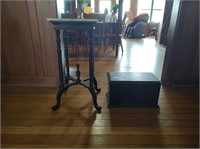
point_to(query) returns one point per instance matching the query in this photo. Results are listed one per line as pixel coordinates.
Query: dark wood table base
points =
(66, 80)
(93, 90)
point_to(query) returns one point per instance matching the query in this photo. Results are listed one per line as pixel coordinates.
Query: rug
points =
(98, 52)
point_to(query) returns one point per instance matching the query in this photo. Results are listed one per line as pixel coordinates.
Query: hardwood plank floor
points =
(28, 122)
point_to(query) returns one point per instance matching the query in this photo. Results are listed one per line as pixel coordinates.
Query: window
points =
(153, 7)
(126, 6)
(108, 4)
(103, 4)
(60, 6)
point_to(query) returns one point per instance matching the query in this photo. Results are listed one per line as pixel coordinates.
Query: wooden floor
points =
(27, 120)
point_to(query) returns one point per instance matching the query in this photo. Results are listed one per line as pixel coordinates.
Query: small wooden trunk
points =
(132, 89)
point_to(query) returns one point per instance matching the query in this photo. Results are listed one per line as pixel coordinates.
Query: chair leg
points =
(77, 48)
(113, 46)
(103, 48)
(74, 49)
(84, 52)
(85, 49)
(121, 46)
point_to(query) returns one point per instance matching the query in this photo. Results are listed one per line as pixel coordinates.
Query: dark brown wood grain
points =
(28, 44)
(27, 120)
(18, 47)
(181, 65)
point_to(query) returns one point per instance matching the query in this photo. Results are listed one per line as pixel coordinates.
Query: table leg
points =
(58, 98)
(59, 95)
(59, 53)
(95, 86)
(66, 51)
(94, 97)
(93, 82)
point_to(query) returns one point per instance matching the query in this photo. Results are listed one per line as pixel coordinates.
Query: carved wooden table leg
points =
(59, 53)
(93, 82)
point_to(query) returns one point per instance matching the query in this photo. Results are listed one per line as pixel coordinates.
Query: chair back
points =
(69, 15)
(111, 31)
(99, 30)
(100, 17)
(123, 24)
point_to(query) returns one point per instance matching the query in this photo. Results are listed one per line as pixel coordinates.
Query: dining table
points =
(110, 32)
(110, 28)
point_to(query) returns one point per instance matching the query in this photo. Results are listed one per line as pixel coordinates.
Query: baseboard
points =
(30, 81)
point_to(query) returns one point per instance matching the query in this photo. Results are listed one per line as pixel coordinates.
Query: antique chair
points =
(152, 29)
(71, 34)
(114, 31)
(100, 17)
(69, 15)
(99, 36)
